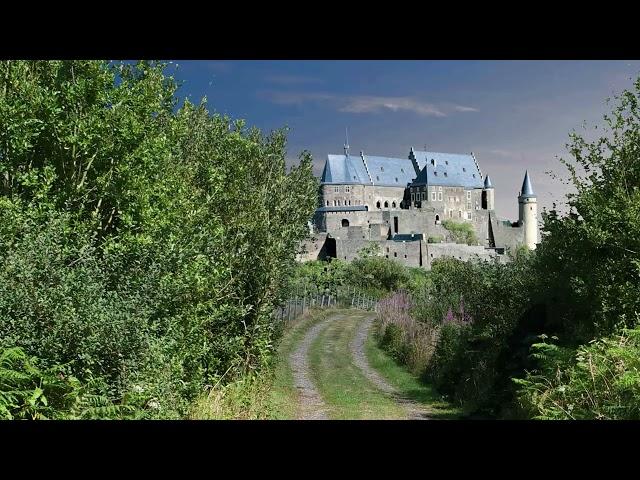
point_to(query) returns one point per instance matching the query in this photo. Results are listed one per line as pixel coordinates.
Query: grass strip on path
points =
(348, 394)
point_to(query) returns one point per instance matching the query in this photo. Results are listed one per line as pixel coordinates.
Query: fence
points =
(342, 298)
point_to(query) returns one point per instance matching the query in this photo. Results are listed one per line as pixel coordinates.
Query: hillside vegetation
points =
(144, 242)
(553, 334)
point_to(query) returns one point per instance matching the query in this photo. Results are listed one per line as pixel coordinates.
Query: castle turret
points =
(488, 194)
(528, 213)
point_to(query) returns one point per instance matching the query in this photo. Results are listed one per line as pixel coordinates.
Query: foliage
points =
(435, 239)
(600, 380)
(461, 232)
(145, 242)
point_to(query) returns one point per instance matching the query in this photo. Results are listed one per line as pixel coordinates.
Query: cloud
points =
(462, 108)
(364, 103)
(291, 79)
(376, 104)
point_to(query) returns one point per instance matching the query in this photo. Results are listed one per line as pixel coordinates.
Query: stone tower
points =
(528, 213)
(488, 194)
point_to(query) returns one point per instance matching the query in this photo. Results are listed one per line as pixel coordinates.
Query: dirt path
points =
(415, 411)
(311, 406)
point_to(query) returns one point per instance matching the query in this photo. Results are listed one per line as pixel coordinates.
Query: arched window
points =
(378, 204)
(327, 203)
(345, 222)
(393, 205)
(338, 202)
(437, 219)
(386, 204)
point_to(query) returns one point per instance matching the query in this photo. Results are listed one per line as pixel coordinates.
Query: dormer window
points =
(446, 162)
(445, 174)
(396, 179)
(382, 169)
(435, 174)
(464, 169)
(474, 175)
(377, 178)
(402, 170)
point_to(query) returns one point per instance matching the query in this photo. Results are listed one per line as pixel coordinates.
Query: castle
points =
(410, 206)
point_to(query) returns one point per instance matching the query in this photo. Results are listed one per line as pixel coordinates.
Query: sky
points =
(513, 115)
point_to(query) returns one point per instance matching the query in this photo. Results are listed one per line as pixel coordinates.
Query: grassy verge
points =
(407, 384)
(264, 396)
(346, 391)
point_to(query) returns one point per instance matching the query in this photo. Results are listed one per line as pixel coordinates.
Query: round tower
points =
(528, 213)
(488, 194)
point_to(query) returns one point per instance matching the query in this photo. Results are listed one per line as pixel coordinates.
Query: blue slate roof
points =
(344, 169)
(390, 172)
(527, 190)
(451, 169)
(357, 208)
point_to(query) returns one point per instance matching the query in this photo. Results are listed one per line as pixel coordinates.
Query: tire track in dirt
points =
(310, 403)
(414, 410)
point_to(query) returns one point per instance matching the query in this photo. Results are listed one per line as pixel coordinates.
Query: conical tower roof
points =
(487, 182)
(527, 189)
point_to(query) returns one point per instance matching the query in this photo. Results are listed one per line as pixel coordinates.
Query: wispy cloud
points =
(291, 79)
(462, 108)
(395, 104)
(365, 103)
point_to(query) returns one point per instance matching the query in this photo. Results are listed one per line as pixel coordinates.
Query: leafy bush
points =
(600, 380)
(461, 232)
(435, 239)
(145, 243)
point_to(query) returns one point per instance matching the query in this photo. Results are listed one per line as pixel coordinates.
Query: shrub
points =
(461, 232)
(600, 380)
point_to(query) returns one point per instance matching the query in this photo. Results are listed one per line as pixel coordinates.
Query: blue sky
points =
(513, 115)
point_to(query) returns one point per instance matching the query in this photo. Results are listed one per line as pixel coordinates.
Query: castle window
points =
(433, 196)
(377, 178)
(435, 174)
(464, 169)
(459, 213)
(439, 196)
(445, 174)
(346, 188)
(378, 204)
(345, 222)
(439, 189)
(339, 203)
(413, 197)
(468, 215)
(386, 204)
(393, 205)
(468, 194)
(402, 170)
(349, 202)
(474, 175)
(395, 254)
(336, 189)
(382, 169)
(396, 179)
(437, 219)
(327, 203)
